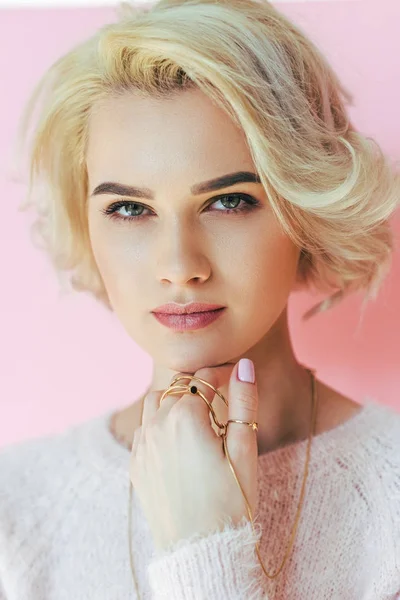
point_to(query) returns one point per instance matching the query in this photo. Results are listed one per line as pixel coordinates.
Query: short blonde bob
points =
(331, 188)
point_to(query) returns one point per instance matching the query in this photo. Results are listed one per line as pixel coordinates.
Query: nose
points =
(181, 255)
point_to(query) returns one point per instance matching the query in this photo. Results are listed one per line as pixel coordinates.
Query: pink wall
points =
(63, 359)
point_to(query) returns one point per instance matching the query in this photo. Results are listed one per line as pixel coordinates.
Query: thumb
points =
(242, 405)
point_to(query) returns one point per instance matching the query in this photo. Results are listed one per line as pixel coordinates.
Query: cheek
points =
(265, 264)
(125, 275)
(120, 264)
(280, 264)
(263, 286)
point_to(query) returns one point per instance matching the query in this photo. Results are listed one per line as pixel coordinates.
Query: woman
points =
(200, 152)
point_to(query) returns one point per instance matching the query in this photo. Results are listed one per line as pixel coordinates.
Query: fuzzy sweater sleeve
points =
(223, 564)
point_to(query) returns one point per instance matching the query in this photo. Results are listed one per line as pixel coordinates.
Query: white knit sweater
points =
(64, 519)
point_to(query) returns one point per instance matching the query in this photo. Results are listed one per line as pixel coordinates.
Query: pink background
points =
(63, 359)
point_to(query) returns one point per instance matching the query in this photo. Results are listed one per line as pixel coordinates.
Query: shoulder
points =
(362, 463)
(363, 451)
(29, 463)
(379, 468)
(33, 475)
(384, 450)
(376, 431)
(385, 431)
(382, 453)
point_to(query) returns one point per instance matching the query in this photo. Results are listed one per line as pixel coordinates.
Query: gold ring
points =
(175, 389)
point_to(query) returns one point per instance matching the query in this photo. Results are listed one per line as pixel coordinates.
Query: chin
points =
(190, 356)
(188, 364)
(189, 367)
(192, 365)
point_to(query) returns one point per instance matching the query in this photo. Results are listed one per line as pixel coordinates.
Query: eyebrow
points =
(224, 181)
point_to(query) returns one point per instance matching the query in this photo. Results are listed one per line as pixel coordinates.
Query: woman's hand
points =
(178, 466)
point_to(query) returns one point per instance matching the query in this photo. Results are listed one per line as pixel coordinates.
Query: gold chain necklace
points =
(292, 537)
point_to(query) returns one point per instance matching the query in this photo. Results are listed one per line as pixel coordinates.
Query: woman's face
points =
(182, 246)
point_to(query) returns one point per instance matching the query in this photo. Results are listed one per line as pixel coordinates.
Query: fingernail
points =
(246, 370)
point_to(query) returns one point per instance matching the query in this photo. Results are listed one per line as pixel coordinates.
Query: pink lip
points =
(189, 321)
(173, 308)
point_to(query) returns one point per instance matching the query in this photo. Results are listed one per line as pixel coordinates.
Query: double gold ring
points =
(176, 389)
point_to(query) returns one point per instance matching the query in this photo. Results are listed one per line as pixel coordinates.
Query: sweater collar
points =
(106, 454)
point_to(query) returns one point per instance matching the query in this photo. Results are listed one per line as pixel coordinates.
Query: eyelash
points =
(250, 204)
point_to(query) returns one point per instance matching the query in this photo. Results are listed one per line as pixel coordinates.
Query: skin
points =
(188, 247)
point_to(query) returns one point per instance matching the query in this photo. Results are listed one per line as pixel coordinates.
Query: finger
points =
(203, 411)
(216, 376)
(243, 405)
(135, 441)
(220, 375)
(151, 404)
(210, 376)
(133, 456)
(151, 408)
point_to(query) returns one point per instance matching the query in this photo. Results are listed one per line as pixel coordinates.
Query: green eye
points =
(248, 204)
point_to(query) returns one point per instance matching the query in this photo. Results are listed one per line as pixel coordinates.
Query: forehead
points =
(144, 133)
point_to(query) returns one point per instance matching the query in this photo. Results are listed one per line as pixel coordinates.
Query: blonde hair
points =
(331, 188)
